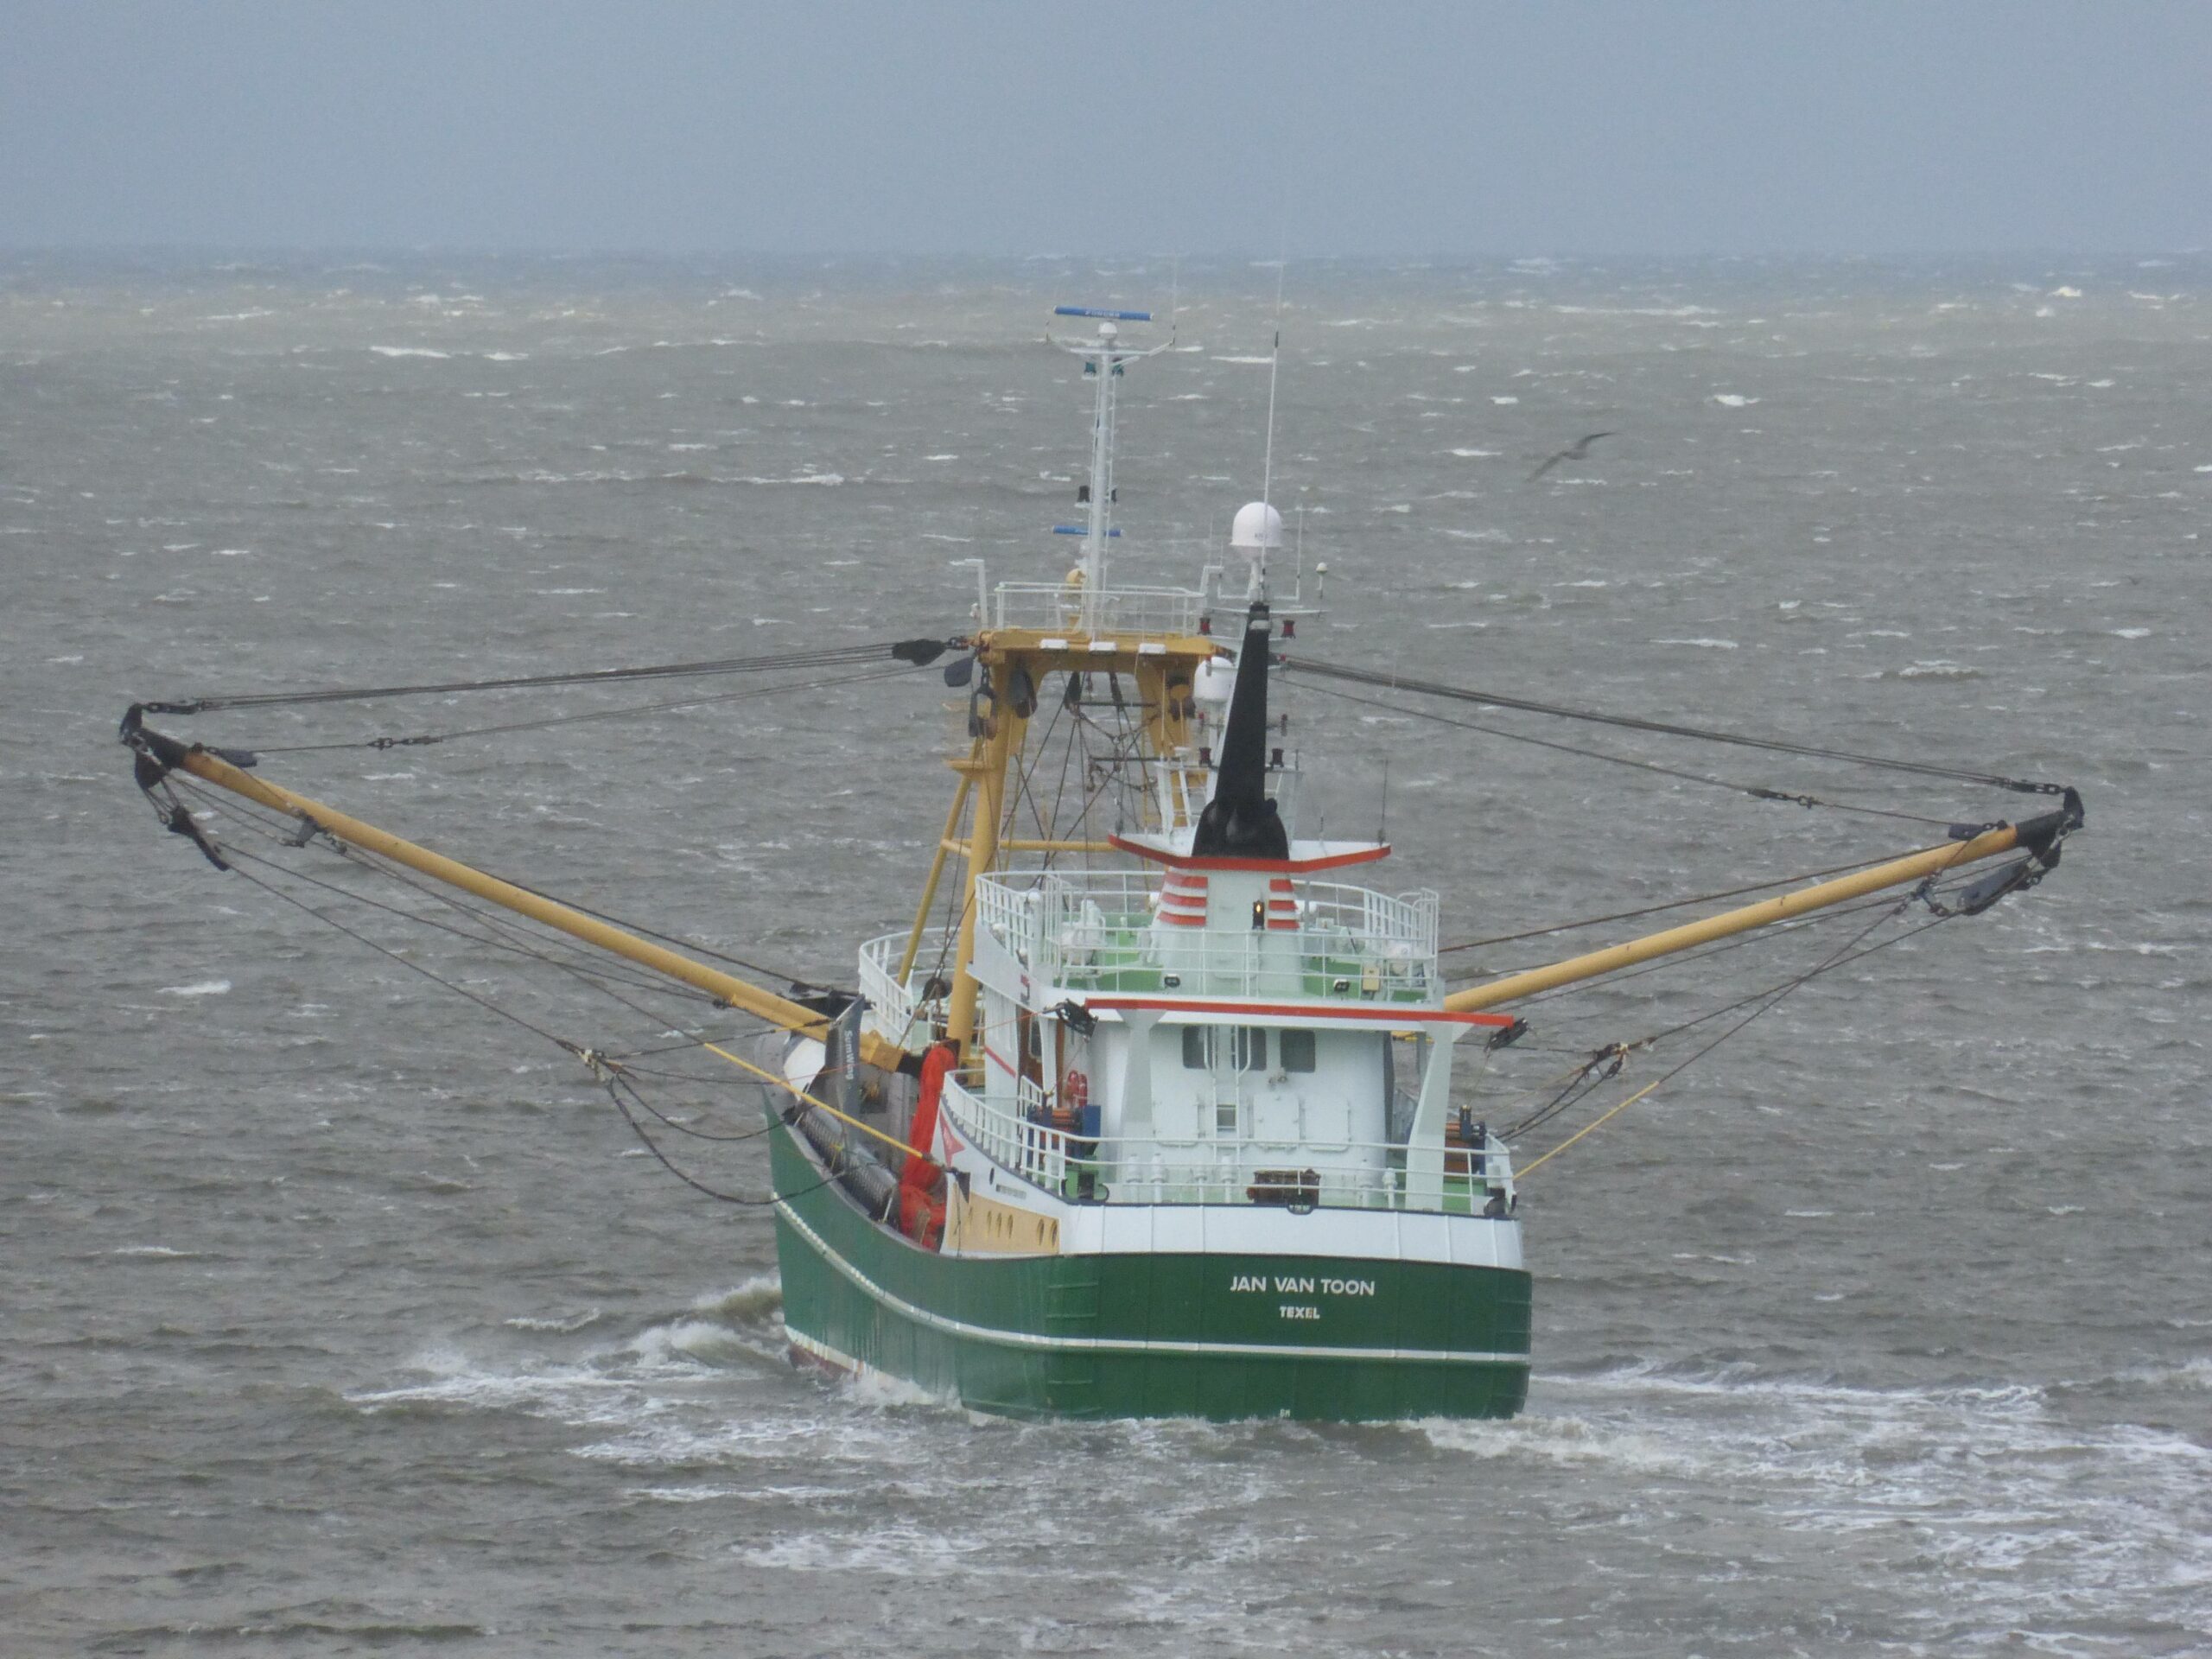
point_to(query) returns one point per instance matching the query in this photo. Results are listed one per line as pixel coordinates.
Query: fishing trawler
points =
(1152, 1108)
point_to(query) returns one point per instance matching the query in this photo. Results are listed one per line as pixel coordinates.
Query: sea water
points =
(343, 1315)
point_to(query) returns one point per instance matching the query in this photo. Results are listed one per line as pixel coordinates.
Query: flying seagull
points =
(1579, 450)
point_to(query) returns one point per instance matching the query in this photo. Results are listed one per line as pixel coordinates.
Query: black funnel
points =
(1241, 822)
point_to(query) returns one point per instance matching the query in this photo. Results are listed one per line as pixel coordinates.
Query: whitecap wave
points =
(563, 1327)
(1934, 671)
(761, 1297)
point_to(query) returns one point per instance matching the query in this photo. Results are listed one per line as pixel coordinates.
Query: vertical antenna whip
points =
(1274, 362)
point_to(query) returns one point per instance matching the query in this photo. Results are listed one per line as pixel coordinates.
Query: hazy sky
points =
(1342, 127)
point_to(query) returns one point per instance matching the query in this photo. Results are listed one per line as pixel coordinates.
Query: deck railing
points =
(1093, 930)
(894, 1007)
(1114, 1169)
(1155, 613)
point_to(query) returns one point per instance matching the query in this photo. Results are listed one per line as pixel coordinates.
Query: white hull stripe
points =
(1121, 1345)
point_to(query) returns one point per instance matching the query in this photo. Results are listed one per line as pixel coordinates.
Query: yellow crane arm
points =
(736, 992)
(2040, 837)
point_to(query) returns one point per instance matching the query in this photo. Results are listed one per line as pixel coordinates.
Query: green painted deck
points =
(1116, 963)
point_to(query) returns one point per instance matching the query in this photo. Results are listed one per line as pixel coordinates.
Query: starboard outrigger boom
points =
(2039, 837)
(159, 754)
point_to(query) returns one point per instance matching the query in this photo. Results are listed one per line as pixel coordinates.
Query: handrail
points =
(1139, 1169)
(1160, 612)
(1096, 929)
(891, 1006)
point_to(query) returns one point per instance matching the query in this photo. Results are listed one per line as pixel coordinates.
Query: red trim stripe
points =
(1184, 862)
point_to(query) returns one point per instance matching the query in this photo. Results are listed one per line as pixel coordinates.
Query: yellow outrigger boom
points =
(747, 998)
(2039, 837)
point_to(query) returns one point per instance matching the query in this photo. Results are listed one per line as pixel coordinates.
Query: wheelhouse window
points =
(1244, 1047)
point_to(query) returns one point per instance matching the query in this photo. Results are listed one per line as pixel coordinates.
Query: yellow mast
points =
(1159, 668)
(735, 992)
(986, 771)
(944, 844)
(2039, 836)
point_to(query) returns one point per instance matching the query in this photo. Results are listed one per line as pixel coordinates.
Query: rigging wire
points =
(1715, 1014)
(797, 982)
(1617, 1053)
(608, 1073)
(290, 835)
(698, 1186)
(1607, 1061)
(1760, 936)
(918, 652)
(498, 938)
(1638, 723)
(1612, 1057)
(546, 721)
(639, 1100)
(1773, 1002)
(577, 1049)
(1756, 792)
(506, 935)
(1672, 903)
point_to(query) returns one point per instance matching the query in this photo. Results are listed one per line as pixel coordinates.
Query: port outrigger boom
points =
(166, 753)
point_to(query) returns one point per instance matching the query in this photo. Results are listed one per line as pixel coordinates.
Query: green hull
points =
(1098, 1336)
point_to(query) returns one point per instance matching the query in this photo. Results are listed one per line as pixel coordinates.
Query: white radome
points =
(1257, 528)
(1214, 682)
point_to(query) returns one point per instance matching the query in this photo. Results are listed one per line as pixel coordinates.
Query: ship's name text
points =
(1286, 1285)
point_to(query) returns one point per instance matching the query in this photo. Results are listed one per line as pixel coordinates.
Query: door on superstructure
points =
(1286, 1109)
(1230, 1061)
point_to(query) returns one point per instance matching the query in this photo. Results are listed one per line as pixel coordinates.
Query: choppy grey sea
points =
(343, 1316)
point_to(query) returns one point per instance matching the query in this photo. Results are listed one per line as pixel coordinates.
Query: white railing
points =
(1126, 1170)
(1149, 612)
(894, 1007)
(890, 1005)
(1094, 931)
(1040, 1151)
